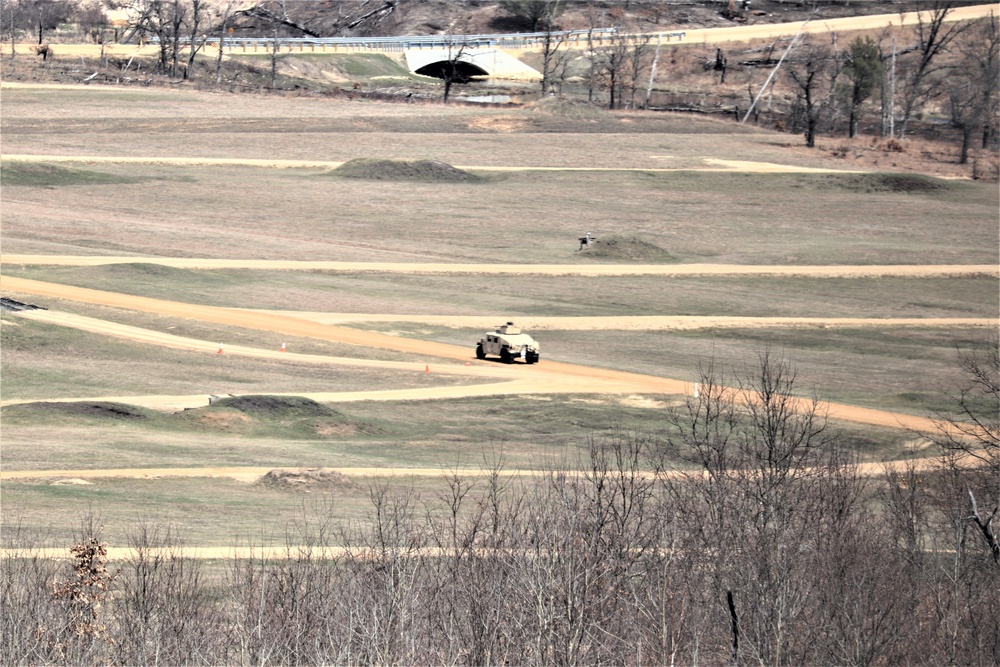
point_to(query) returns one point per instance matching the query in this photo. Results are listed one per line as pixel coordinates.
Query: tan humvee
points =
(508, 342)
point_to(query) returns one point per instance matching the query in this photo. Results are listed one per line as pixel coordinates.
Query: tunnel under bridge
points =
(469, 63)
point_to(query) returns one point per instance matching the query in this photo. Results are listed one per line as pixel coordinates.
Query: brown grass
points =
(511, 217)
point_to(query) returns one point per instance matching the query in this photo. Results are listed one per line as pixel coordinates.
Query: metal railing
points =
(597, 37)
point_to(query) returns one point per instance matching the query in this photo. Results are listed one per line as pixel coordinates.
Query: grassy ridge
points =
(512, 216)
(483, 294)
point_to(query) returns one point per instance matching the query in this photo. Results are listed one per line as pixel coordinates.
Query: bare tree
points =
(277, 18)
(767, 492)
(452, 70)
(619, 67)
(972, 83)
(970, 439)
(12, 17)
(196, 40)
(933, 38)
(533, 14)
(224, 29)
(164, 20)
(48, 14)
(554, 51)
(814, 76)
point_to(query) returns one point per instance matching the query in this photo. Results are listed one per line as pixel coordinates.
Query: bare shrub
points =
(163, 609)
(741, 534)
(28, 613)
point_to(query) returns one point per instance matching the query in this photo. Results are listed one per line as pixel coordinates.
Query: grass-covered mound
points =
(424, 171)
(292, 417)
(627, 248)
(50, 175)
(64, 412)
(287, 416)
(314, 479)
(905, 183)
(281, 408)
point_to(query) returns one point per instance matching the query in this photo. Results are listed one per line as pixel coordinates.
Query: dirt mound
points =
(276, 407)
(905, 183)
(627, 248)
(314, 479)
(499, 124)
(291, 416)
(98, 410)
(425, 171)
(226, 421)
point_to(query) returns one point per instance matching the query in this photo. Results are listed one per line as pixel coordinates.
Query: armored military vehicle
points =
(508, 342)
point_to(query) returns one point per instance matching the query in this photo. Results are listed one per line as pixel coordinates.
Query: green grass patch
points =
(369, 65)
(32, 174)
(204, 511)
(527, 295)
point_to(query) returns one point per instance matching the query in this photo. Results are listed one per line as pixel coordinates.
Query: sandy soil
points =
(585, 323)
(832, 271)
(709, 164)
(251, 474)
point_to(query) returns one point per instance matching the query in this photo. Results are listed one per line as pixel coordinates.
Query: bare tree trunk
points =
(223, 27)
(274, 55)
(963, 157)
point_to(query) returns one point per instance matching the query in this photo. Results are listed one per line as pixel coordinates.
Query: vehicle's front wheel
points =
(531, 357)
(505, 356)
(480, 353)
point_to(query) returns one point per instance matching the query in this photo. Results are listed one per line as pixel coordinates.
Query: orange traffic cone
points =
(427, 368)
(282, 347)
(220, 349)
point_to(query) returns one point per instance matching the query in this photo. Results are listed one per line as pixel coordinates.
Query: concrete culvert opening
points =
(458, 71)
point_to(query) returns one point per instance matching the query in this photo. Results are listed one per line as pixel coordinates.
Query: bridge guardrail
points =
(411, 43)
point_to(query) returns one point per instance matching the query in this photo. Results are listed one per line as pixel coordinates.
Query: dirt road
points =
(548, 377)
(750, 31)
(709, 164)
(250, 474)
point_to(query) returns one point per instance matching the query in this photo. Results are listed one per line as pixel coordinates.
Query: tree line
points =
(948, 67)
(743, 534)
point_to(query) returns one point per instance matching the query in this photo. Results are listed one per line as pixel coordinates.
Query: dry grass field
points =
(651, 178)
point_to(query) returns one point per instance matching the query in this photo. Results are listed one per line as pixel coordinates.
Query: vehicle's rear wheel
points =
(480, 354)
(505, 356)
